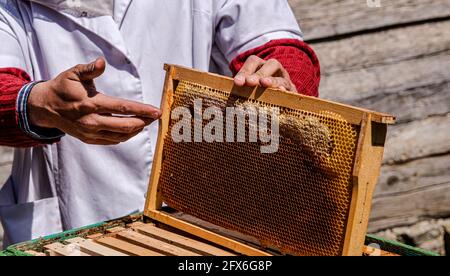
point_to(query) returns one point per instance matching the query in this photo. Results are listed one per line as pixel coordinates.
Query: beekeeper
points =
(67, 66)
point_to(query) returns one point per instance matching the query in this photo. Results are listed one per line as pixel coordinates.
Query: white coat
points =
(70, 184)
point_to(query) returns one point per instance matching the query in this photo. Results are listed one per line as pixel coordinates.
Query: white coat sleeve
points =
(242, 25)
(11, 54)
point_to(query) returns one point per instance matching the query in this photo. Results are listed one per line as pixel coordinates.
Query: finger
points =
(106, 104)
(272, 68)
(250, 66)
(280, 83)
(276, 82)
(88, 136)
(124, 125)
(88, 72)
(94, 123)
(106, 137)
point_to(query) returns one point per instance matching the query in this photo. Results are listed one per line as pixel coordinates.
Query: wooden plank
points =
(351, 114)
(355, 85)
(407, 208)
(154, 244)
(154, 199)
(371, 251)
(34, 253)
(136, 224)
(388, 78)
(418, 139)
(217, 229)
(125, 247)
(181, 241)
(352, 243)
(115, 229)
(364, 51)
(366, 170)
(424, 179)
(59, 249)
(327, 18)
(94, 249)
(205, 234)
(414, 104)
(94, 236)
(416, 175)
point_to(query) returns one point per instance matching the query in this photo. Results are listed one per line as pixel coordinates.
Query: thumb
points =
(88, 72)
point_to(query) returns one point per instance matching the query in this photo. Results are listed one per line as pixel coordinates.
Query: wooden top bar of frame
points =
(353, 115)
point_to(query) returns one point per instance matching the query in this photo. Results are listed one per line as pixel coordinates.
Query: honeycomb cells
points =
(287, 200)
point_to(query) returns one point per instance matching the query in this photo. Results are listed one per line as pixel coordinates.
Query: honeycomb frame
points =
(368, 128)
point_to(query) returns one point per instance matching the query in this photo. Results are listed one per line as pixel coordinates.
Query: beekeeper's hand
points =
(267, 73)
(72, 104)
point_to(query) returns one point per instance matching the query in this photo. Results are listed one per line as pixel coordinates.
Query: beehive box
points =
(311, 196)
(68, 243)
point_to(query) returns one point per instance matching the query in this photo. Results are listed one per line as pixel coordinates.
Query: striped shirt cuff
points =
(35, 132)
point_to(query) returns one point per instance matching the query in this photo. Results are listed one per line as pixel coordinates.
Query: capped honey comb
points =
(296, 200)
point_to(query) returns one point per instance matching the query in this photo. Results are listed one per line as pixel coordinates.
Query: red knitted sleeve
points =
(11, 82)
(297, 58)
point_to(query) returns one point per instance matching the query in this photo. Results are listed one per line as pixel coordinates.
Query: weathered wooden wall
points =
(395, 59)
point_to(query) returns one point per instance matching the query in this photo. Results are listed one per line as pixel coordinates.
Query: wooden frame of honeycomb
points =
(371, 135)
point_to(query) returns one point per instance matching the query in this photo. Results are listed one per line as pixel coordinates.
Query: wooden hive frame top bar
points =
(351, 114)
(369, 154)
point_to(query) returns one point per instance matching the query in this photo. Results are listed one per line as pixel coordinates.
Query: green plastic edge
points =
(398, 247)
(13, 251)
(388, 245)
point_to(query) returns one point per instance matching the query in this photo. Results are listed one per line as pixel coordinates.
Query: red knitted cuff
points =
(297, 58)
(11, 82)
